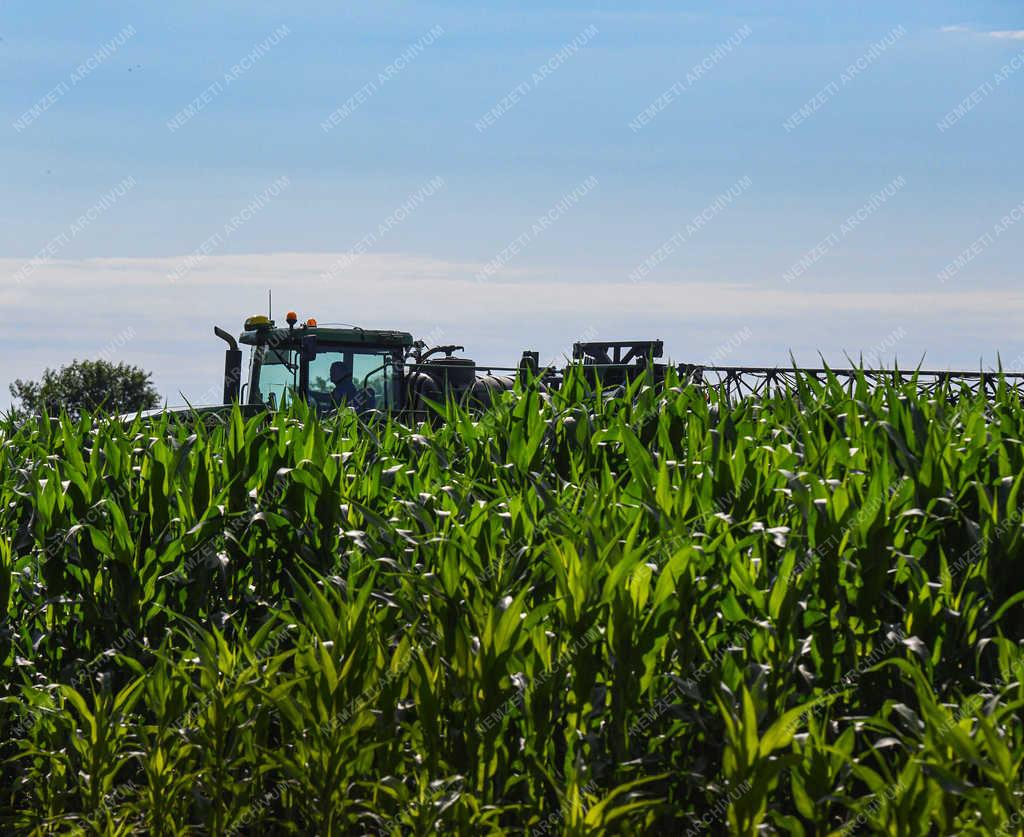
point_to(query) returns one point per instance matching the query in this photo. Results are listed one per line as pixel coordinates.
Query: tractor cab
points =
(328, 366)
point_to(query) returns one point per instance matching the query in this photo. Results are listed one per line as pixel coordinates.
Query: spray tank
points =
(431, 378)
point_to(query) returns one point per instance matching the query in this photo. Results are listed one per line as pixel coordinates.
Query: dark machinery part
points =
(529, 366)
(612, 363)
(232, 366)
(763, 381)
(448, 351)
(610, 353)
(433, 379)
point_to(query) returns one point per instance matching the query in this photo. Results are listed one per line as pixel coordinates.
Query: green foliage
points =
(86, 385)
(653, 612)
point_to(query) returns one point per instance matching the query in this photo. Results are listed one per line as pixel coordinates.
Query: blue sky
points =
(721, 292)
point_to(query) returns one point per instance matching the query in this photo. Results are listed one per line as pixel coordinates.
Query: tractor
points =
(335, 365)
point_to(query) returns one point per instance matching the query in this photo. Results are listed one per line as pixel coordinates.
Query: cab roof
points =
(327, 334)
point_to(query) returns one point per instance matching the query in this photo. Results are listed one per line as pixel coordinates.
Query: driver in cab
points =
(345, 389)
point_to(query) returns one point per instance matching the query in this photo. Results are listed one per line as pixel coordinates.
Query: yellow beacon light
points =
(311, 322)
(257, 321)
(291, 318)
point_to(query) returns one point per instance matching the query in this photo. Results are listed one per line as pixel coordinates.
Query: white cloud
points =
(1000, 34)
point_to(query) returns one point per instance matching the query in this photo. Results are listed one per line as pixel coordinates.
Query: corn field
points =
(658, 612)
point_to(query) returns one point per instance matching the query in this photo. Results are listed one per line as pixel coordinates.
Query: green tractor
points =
(332, 366)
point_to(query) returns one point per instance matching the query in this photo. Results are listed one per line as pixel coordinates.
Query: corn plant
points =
(651, 610)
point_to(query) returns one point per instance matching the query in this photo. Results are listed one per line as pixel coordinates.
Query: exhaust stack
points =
(232, 365)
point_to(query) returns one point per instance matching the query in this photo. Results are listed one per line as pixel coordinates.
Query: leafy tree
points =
(87, 385)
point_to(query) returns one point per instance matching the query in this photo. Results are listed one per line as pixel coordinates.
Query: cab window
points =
(359, 378)
(279, 377)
